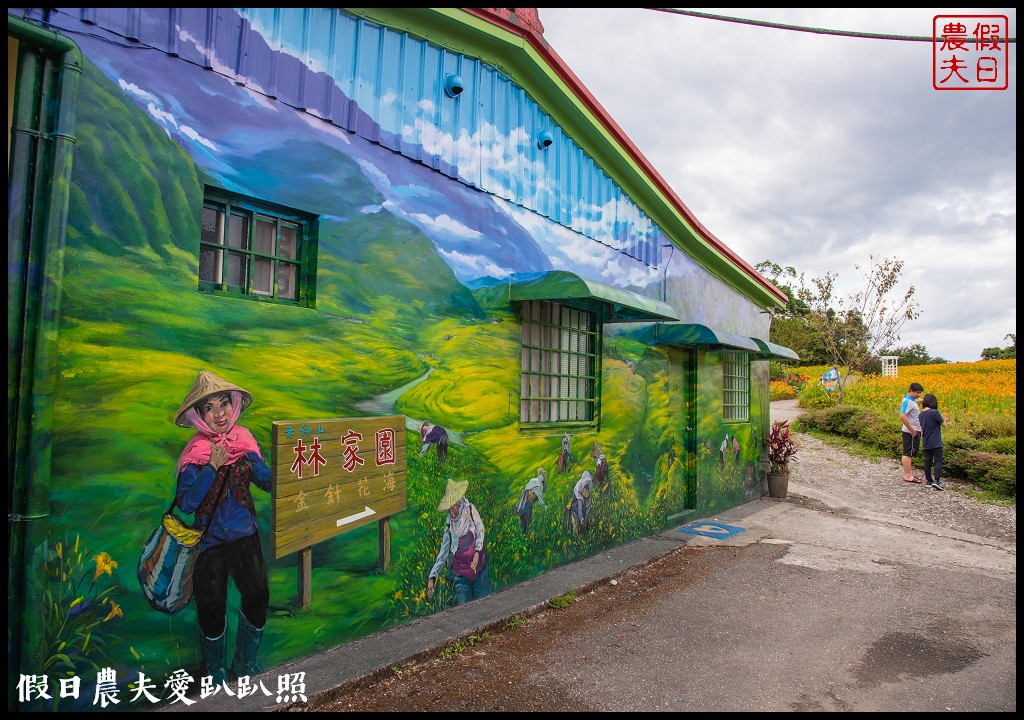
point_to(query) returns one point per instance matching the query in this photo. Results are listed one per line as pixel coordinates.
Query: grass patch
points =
(514, 622)
(460, 646)
(984, 496)
(402, 672)
(453, 650)
(560, 602)
(476, 639)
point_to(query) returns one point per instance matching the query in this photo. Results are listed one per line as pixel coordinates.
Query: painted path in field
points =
(384, 404)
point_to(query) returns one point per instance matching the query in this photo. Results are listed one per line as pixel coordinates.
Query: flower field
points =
(978, 402)
(964, 390)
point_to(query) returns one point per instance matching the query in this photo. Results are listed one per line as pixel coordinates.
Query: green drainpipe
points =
(39, 177)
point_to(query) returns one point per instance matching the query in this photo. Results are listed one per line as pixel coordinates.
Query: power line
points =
(817, 31)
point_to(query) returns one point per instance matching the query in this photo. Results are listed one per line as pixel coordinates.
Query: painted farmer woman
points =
(215, 471)
(533, 493)
(462, 547)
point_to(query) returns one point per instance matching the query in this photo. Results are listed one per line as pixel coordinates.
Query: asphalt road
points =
(804, 610)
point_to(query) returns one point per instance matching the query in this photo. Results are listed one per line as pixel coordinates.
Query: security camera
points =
(453, 85)
(544, 139)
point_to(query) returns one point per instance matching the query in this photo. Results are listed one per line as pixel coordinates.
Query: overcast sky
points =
(819, 151)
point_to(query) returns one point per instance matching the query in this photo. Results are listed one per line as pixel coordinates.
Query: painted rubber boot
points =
(247, 644)
(215, 656)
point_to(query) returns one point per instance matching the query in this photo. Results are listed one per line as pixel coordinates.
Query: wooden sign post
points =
(332, 476)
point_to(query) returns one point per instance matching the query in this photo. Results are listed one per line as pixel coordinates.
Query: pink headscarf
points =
(237, 440)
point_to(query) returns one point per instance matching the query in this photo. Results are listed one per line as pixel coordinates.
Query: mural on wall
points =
(412, 317)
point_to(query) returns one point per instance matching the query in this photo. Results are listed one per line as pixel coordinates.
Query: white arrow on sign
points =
(358, 516)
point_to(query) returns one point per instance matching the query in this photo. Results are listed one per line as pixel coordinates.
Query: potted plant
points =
(781, 451)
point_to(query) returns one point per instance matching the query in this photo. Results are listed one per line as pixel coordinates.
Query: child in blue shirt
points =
(931, 432)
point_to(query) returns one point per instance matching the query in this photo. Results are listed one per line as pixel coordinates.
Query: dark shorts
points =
(911, 444)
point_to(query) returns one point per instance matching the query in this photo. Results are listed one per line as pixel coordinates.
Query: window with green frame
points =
(260, 250)
(560, 364)
(736, 386)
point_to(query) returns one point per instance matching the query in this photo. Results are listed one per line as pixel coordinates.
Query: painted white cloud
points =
(217, 65)
(133, 89)
(373, 172)
(626, 275)
(496, 161)
(470, 265)
(164, 117)
(570, 250)
(445, 224)
(313, 59)
(324, 127)
(190, 133)
(161, 115)
(259, 96)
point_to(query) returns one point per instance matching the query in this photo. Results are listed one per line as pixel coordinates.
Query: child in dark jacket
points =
(931, 441)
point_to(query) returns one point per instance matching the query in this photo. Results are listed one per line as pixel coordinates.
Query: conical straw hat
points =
(454, 492)
(205, 385)
(543, 475)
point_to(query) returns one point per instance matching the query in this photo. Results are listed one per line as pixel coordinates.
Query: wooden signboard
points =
(332, 476)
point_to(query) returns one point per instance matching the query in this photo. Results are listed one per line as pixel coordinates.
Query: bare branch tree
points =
(854, 329)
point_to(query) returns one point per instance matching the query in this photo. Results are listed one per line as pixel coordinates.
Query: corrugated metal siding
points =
(388, 87)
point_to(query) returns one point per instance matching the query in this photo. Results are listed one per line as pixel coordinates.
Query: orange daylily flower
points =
(115, 610)
(104, 564)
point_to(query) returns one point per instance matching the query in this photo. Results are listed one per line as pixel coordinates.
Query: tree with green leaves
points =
(1007, 353)
(856, 328)
(790, 327)
(916, 354)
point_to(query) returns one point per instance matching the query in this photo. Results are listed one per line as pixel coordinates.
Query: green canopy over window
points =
(771, 351)
(612, 304)
(693, 334)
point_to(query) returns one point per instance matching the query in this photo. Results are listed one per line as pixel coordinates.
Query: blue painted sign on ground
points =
(712, 529)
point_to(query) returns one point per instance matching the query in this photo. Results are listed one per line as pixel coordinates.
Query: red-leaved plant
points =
(781, 448)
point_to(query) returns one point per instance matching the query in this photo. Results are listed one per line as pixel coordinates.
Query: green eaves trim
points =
(771, 351)
(463, 32)
(694, 334)
(612, 304)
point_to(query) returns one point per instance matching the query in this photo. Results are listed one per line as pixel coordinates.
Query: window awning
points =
(771, 351)
(612, 304)
(693, 334)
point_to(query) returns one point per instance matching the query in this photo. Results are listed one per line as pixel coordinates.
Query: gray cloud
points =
(819, 151)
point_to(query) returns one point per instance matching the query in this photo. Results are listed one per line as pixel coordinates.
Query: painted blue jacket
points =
(235, 516)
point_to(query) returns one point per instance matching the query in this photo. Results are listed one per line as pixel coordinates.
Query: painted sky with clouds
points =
(480, 235)
(819, 151)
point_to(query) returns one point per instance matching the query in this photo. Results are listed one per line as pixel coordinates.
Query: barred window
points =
(560, 346)
(735, 386)
(255, 249)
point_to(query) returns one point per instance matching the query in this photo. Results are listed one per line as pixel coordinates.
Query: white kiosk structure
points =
(889, 365)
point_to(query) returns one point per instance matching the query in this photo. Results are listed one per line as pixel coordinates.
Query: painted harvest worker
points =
(532, 493)
(565, 454)
(601, 478)
(215, 471)
(462, 547)
(435, 435)
(577, 514)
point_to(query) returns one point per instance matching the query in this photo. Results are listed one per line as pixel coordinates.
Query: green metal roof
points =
(693, 334)
(771, 351)
(611, 303)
